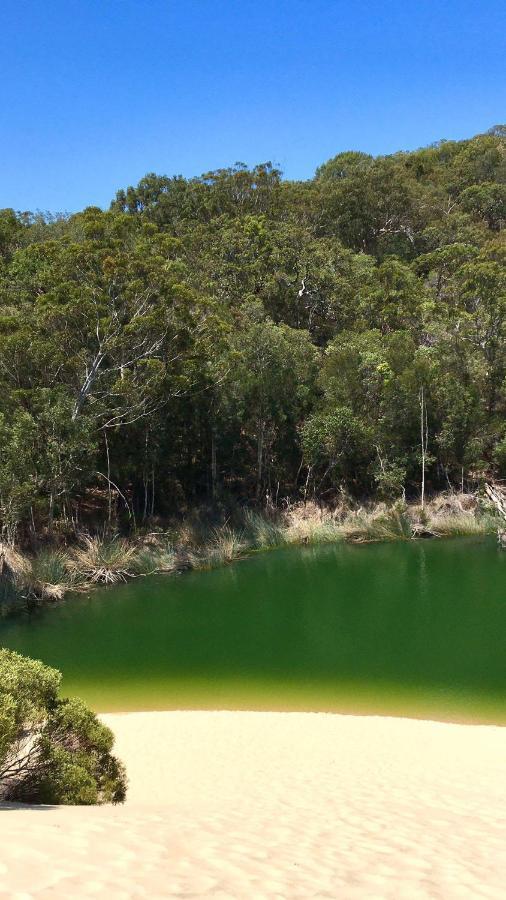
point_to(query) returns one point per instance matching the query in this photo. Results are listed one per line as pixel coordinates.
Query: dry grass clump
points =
(263, 533)
(13, 565)
(456, 524)
(379, 524)
(51, 576)
(224, 546)
(450, 503)
(106, 560)
(308, 523)
(14, 568)
(454, 515)
(154, 559)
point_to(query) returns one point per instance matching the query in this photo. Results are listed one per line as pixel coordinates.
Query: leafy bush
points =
(52, 750)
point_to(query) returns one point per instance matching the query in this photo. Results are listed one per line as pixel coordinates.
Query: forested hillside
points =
(236, 335)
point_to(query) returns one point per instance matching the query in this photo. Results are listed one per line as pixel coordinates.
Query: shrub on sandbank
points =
(52, 750)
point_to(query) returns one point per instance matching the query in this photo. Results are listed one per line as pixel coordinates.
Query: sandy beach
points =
(276, 805)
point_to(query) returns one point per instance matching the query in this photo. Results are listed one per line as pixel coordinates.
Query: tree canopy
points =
(239, 335)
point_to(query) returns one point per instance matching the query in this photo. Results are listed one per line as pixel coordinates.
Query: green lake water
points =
(416, 629)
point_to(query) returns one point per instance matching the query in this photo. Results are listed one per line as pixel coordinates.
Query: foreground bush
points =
(52, 750)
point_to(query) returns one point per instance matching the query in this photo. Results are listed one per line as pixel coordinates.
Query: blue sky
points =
(95, 93)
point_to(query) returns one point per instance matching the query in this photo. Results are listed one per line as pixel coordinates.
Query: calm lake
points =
(415, 629)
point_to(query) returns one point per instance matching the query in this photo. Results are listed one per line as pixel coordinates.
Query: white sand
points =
(264, 805)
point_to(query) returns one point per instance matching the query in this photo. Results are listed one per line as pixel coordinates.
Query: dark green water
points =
(416, 629)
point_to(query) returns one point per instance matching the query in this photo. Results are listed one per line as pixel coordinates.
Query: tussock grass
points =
(459, 524)
(263, 533)
(106, 560)
(150, 560)
(50, 575)
(14, 568)
(224, 546)
(13, 564)
(384, 525)
(308, 523)
(456, 515)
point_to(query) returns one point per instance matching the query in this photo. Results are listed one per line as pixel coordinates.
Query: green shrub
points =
(51, 750)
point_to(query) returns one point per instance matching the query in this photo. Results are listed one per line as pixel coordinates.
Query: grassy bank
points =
(109, 558)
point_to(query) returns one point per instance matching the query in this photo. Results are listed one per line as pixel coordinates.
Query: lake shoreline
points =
(351, 711)
(57, 571)
(251, 804)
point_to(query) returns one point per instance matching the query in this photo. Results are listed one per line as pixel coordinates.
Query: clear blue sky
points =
(95, 93)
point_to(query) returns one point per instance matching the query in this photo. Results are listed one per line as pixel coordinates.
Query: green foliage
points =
(238, 337)
(390, 477)
(51, 750)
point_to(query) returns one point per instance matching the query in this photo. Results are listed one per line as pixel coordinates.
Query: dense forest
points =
(238, 337)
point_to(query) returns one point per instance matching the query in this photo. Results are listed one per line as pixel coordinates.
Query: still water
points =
(416, 629)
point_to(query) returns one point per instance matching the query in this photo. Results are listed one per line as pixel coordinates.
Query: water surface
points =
(415, 628)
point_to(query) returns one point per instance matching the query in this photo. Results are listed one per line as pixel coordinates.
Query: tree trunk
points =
(260, 456)
(423, 438)
(109, 490)
(214, 469)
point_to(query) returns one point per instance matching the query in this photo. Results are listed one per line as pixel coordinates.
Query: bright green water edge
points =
(415, 629)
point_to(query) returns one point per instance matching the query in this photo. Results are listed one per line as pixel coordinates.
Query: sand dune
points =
(276, 805)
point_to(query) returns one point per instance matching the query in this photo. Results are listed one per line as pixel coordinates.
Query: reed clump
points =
(378, 524)
(449, 525)
(14, 569)
(263, 532)
(103, 560)
(455, 515)
(309, 523)
(222, 547)
(153, 560)
(51, 576)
